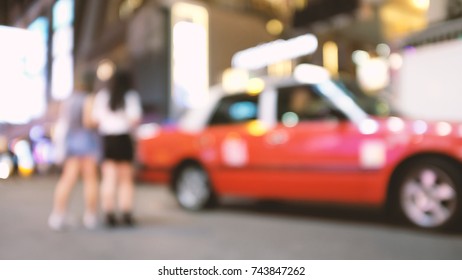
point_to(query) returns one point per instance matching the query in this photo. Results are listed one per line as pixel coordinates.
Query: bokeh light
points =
(274, 27)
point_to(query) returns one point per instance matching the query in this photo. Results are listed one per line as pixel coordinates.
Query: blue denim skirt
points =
(83, 143)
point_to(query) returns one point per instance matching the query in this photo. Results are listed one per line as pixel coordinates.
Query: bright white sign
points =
(21, 90)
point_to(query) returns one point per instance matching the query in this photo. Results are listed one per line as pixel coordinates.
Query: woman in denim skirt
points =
(81, 152)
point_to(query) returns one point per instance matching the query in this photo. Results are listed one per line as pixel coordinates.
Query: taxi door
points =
(313, 151)
(232, 147)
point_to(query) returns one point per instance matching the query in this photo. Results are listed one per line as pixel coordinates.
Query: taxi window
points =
(235, 109)
(303, 103)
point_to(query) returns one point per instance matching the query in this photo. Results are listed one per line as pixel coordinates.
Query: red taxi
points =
(306, 138)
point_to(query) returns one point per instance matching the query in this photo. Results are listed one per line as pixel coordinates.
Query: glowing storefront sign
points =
(373, 74)
(190, 57)
(276, 51)
(63, 43)
(22, 72)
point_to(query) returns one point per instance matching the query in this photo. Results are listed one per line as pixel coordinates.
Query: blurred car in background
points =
(306, 138)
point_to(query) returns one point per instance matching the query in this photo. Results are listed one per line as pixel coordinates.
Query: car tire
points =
(429, 193)
(192, 188)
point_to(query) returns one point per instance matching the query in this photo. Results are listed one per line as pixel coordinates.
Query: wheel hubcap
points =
(193, 190)
(429, 197)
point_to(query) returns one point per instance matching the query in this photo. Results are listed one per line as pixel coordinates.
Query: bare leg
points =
(65, 185)
(90, 180)
(126, 186)
(108, 186)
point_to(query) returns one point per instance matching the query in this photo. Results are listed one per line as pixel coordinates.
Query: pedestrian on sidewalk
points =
(80, 146)
(117, 112)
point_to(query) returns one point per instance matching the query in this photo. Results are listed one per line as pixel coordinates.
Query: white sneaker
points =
(90, 220)
(56, 221)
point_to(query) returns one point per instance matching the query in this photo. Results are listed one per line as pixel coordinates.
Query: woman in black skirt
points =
(117, 111)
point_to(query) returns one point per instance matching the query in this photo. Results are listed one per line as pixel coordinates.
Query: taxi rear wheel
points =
(429, 193)
(192, 188)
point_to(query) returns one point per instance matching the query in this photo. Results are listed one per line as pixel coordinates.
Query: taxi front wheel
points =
(192, 188)
(429, 193)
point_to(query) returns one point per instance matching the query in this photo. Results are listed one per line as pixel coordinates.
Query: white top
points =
(120, 121)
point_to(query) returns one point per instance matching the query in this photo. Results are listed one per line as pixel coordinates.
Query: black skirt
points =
(118, 147)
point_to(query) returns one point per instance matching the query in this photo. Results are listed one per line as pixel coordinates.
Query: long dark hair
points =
(120, 83)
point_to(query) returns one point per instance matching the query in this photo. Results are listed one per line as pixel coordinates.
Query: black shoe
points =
(128, 220)
(110, 220)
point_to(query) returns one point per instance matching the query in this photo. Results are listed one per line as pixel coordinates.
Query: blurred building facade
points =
(82, 35)
(136, 34)
(428, 83)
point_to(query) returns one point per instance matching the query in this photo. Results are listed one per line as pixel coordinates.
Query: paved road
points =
(237, 230)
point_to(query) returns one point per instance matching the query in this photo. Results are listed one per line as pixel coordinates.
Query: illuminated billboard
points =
(190, 57)
(22, 72)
